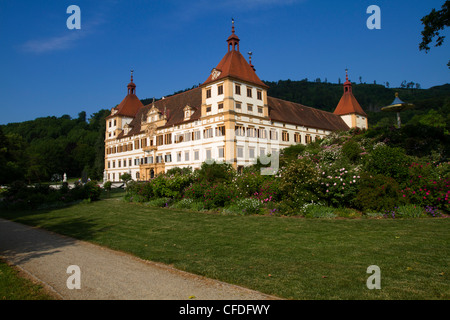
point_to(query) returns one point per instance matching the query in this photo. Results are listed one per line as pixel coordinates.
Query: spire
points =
(347, 83)
(233, 39)
(131, 86)
(250, 60)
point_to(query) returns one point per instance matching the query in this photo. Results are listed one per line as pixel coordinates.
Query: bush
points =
(352, 151)
(91, 191)
(388, 161)
(216, 172)
(339, 185)
(299, 182)
(213, 195)
(377, 193)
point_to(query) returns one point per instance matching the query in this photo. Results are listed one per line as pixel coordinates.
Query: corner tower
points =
(349, 109)
(233, 89)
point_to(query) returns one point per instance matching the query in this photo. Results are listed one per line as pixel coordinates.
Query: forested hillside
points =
(38, 149)
(371, 97)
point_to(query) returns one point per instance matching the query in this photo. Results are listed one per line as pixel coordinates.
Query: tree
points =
(433, 23)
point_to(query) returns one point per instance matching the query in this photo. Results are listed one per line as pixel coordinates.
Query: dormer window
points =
(188, 111)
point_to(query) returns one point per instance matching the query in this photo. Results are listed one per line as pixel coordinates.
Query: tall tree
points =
(433, 23)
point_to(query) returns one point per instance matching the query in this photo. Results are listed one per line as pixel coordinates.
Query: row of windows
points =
(240, 131)
(238, 107)
(237, 90)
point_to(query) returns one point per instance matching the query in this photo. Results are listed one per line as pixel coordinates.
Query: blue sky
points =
(49, 70)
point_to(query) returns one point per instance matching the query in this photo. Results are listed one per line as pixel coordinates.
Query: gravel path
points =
(105, 274)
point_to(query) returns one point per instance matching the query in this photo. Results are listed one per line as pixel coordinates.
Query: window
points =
(237, 89)
(179, 156)
(220, 89)
(260, 110)
(220, 152)
(285, 136)
(109, 164)
(196, 155)
(179, 138)
(124, 163)
(220, 131)
(251, 132)
(168, 138)
(186, 156)
(240, 131)
(144, 142)
(262, 133)
(115, 122)
(136, 144)
(208, 109)
(251, 152)
(259, 95)
(262, 152)
(110, 124)
(208, 133)
(208, 154)
(308, 139)
(158, 159)
(220, 105)
(238, 105)
(196, 135)
(240, 152)
(249, 92)
(249, 107)
(208, 93)
(297, 138)
(129, 162)
(114, 164)
(168, 158)
(159, 140)
(273, 135)
(187, 136)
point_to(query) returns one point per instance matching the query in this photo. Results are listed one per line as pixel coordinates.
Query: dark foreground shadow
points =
(20, 243)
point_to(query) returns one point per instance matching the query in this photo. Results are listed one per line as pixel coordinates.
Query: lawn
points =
(293, 258)
(14, 287)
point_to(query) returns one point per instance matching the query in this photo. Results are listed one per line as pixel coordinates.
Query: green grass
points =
(15, 287)
(293, 258)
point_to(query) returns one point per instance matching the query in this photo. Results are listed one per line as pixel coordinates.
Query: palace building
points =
(228, 118)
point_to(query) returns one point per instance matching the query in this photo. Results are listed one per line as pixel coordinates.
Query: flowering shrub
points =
(339, 185)
(299, 182)
(249, 182)
(428, 185)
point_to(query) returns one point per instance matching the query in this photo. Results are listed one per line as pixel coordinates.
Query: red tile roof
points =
(234, 65)
(129, 106)
(348, 105)
(297, 114)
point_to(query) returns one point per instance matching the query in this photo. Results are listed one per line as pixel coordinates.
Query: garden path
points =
(105, 274)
